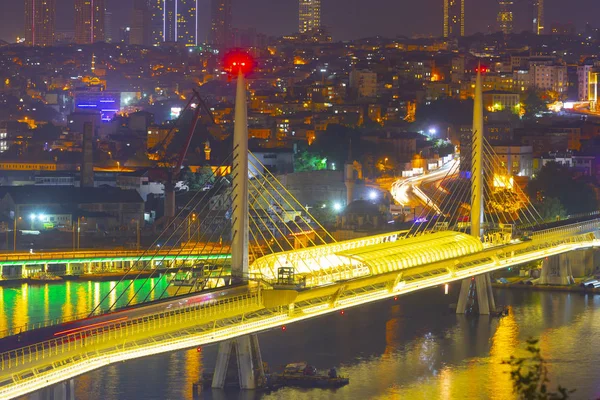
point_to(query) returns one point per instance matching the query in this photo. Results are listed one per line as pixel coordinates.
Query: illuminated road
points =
(31, 368)
(407, 191)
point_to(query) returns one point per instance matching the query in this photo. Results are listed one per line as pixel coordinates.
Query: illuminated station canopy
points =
(367, 256)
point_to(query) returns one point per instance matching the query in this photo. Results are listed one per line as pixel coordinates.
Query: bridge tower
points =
(239, 228)
(244, 351)
(478, 289)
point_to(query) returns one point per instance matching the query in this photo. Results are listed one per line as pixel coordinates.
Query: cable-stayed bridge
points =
(285, 268)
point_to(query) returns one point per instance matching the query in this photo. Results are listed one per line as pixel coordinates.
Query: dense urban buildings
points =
(309, 15)
(89, 21)
(454, 18)
(221, 31)
(39, 22)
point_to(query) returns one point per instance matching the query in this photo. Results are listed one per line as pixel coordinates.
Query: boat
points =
(301, 374)
(44, 277)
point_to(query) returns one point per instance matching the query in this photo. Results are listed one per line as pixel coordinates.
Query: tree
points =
(551, 209)
(199, 180)
(530, 376)
(559, 182)
(533, 104)
(306, 160)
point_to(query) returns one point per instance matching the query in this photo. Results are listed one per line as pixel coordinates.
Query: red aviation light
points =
(236, 61)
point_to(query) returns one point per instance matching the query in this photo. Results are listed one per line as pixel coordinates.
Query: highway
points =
(407, 191)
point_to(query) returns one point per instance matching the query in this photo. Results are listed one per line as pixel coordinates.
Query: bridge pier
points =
(61, 391)
(556, 270)
(239, 359)
(476, 293)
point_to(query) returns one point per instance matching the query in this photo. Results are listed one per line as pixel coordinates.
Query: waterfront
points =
(411, 348)
(31, 304)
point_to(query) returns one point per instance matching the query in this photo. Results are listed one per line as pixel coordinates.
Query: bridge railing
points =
(579, 227)
(76, 255)
(122, 330)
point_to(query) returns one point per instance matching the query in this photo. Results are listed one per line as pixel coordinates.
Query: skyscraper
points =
(221, 34)
(140, 23)
(89, 21)
(108, 28)
(309, 16)
(537, 16)
(454, 18)
(505, 16)
(174, 21)
(39, 22)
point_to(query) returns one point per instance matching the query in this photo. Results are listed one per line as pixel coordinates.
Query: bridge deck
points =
(26, 369)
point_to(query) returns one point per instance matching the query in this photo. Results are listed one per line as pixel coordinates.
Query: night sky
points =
(347, 19)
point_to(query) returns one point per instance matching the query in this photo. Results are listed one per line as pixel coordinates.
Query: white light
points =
(372, 195)
(337, 206)
(432, 131)
(42, 217)
(33, 216)
(333, 166)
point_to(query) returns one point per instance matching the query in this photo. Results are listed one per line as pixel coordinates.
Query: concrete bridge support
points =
(556, 270)
(62, 391)
(476, 296)
(239, 359)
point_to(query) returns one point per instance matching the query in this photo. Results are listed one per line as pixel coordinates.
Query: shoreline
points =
(100, 277)
(548, 288)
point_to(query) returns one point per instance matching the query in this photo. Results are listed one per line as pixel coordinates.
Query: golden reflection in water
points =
(67, 309)
(3, 314)
(46, 302)
(192, 371)
(505, 343)
(113, 293)
(21, 311)
(81, 306)
(392, 327)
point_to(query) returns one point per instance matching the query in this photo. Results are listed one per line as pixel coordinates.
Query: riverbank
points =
(96, 277)
(551, 288)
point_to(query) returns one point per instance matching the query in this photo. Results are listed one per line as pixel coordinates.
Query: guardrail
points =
(89, 337)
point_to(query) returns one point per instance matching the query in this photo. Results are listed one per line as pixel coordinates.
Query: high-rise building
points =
(221, 33)
(140, 23)
(108, 27)
(454, 18)
(505, 16)
(39, 22)
(537, 16)
(309, 16)
(174, 21)
(89, 21)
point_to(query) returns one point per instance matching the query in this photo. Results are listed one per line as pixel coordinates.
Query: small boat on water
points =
(44, 277)
(299, 374)
(303, 375)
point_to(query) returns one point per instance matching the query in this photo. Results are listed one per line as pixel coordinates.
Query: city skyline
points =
(385, 17)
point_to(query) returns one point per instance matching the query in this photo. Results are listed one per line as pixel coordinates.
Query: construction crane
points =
(169, 165)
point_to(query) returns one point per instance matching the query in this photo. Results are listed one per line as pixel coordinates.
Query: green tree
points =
(197, 181)
(529, 376)
(306, 160)
(533, 104)
(551, 209)
(559, 182)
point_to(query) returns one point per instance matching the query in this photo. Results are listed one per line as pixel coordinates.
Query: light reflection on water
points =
(28, 304)
(412, 348)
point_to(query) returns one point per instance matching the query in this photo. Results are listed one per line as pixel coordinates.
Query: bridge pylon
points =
(476, 296)
(239, 360)
(476, 292)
